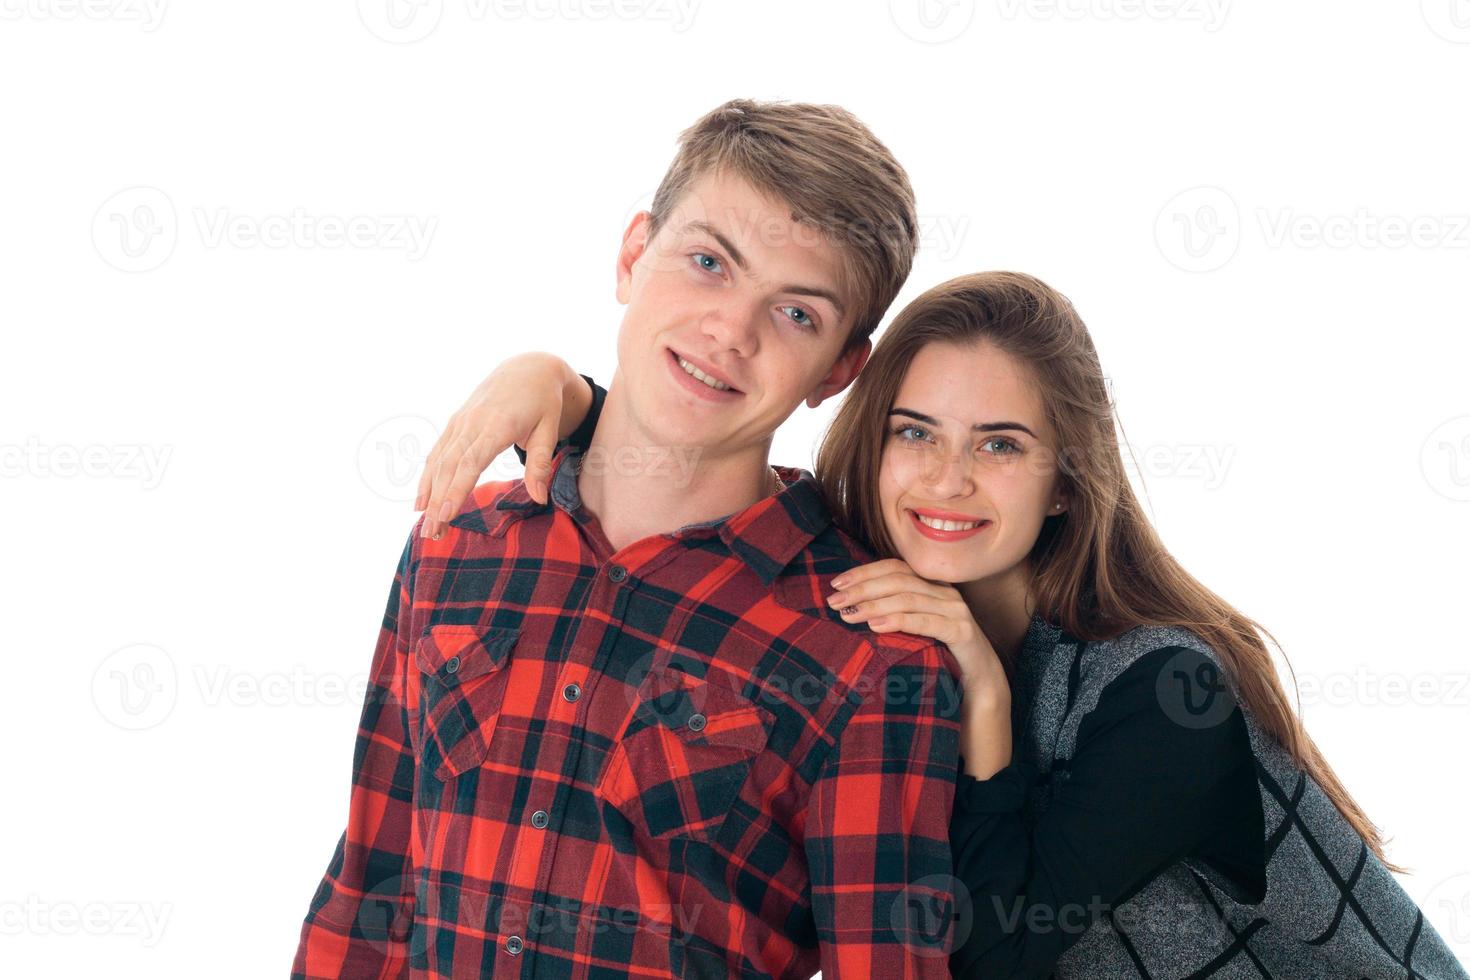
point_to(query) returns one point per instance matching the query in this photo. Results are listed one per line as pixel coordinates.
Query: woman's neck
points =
(1002, 606)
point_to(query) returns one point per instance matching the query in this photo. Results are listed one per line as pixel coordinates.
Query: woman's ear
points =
(635, 240)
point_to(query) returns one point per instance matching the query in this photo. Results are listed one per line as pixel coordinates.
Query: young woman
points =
(1137, 798)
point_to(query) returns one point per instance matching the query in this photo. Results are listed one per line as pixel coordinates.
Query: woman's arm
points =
(532, 400)
(1141, 791)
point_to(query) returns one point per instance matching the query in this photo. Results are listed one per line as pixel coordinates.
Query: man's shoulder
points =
(478, 516)
(804, 587)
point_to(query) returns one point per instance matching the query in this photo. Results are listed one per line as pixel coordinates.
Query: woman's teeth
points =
(701, 376)
(947, 525)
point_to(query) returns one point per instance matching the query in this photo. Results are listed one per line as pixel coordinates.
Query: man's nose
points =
(734, 327)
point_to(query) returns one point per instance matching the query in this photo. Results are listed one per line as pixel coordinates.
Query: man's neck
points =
(637, 490)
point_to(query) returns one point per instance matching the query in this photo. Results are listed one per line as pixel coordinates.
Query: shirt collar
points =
(767, 535)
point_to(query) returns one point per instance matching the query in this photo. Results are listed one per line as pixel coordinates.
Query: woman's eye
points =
(707, 262)
(798, 316)
(903, 433)
(1006, 446)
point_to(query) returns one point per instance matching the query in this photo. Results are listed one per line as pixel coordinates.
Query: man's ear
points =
(635, 240)
(843, 371)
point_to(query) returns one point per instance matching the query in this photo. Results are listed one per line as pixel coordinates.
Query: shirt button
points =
(571, 692)
(539, 819)
(617, 573)
(513, 945)
(452, 665)
(696, 723)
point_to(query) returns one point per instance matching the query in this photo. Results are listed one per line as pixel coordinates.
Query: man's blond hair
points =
(833, 173)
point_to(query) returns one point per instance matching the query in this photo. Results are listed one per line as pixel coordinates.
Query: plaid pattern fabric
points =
(669, 760)
(1331, 910)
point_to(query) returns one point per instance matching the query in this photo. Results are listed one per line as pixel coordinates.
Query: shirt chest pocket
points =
(685, 755)
(463, 673)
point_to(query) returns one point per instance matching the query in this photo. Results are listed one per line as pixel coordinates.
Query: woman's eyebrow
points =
(977, 427)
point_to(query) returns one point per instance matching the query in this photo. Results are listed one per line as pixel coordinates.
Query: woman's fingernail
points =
(836, 599)
(839, 582)
(880, 621)
(849, 610)
(445, 511)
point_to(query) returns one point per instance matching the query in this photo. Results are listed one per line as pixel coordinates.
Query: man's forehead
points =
(766, 237)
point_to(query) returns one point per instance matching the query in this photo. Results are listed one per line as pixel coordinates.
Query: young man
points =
(620, 733)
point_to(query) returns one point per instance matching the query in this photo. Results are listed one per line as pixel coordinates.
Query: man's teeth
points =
(947, 525)
(700, 375)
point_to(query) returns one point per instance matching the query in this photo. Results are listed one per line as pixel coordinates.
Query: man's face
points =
(735, 289)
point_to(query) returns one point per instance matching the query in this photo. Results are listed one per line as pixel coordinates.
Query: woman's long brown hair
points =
(1100, 568)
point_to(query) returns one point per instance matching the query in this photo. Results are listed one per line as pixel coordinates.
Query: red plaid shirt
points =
(672, 759)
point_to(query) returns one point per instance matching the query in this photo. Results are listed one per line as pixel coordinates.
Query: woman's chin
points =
(936, 568)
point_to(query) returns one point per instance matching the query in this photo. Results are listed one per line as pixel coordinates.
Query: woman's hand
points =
(890, 597)
(531, 400)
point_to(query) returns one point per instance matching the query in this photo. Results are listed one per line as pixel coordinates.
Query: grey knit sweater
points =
(1331, 910)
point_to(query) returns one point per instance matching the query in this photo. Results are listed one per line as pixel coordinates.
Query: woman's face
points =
(967, 447)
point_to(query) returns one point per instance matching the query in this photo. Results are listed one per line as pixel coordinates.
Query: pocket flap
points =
(455, 654)
(704, 712)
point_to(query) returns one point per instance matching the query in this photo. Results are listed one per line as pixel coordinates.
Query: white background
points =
(212, 420)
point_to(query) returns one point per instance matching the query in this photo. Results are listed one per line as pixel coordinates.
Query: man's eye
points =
(707, 262)
(798, 316)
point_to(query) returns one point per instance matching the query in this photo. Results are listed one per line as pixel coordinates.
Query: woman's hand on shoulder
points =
(525, 401)
(890, 597)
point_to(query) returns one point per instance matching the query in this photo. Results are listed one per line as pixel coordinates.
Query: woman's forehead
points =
(973, 383)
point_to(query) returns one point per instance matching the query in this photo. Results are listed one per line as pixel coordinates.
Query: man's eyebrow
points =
(729, 246)
(725, 243)
(977, 427)
(818, 292)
